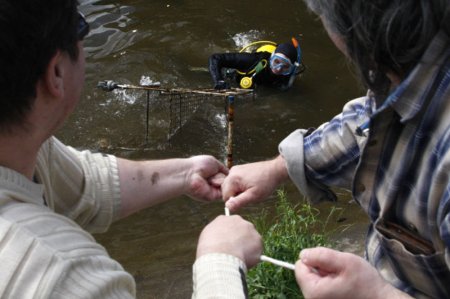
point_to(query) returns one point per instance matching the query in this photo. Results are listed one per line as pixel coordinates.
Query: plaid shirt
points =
(396, 160)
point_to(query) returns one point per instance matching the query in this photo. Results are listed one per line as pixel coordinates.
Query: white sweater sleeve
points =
(80, 185)
(219, 276)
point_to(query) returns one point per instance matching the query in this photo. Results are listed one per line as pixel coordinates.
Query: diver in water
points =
(270, 65)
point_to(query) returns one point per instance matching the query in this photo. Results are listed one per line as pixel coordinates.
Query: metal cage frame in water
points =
(182, 104)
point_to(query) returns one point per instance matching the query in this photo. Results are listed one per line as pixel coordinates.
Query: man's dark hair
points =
(382, 35)
(31, 33)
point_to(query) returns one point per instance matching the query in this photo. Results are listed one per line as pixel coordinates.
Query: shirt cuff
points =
(219, 275)
(291, 148)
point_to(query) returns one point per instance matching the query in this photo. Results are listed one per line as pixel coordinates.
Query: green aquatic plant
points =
(292, 228)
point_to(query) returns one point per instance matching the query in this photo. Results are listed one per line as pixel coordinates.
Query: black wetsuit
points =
(246, 62)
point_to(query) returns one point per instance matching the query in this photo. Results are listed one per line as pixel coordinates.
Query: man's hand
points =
(231, 235)
(205, 178)
(250, 183)
(325, 273)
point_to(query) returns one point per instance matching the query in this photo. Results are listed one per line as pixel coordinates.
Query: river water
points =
(169, 42)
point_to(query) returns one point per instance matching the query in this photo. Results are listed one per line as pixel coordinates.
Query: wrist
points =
(280, 169)
(389, 291)
(217, 248)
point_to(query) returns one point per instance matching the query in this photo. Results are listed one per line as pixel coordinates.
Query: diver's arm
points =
(215, 67)
(240, 61)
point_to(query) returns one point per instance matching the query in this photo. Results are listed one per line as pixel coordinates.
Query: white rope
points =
(277, 262)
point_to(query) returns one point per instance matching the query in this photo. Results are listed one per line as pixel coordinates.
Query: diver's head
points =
(283, 59)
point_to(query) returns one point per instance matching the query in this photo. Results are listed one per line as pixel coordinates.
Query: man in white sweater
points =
(51, 195)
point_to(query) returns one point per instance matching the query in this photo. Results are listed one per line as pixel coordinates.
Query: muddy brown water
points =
(169, 42)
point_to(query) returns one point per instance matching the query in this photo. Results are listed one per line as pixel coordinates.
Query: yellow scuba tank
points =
(258, 46)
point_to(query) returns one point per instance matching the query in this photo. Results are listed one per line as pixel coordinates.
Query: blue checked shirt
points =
(396, 160)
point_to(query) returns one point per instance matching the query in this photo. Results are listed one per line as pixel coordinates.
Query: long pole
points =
(147, 118)
(230, 131)
(109, 85)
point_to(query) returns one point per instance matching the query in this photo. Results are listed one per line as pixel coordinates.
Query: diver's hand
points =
(251, 183)
(326, 273)
(222, 85)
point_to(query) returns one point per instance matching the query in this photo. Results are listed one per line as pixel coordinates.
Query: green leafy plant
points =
(285, 234)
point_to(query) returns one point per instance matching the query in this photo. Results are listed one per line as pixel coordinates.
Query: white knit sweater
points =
(45, 249)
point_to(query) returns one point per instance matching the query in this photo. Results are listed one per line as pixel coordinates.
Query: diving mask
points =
(280, 64)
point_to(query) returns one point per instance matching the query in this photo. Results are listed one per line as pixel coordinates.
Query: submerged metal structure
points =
(181, 104)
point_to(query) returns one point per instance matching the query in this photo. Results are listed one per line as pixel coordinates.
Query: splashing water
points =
(244, 38)
(146, 81)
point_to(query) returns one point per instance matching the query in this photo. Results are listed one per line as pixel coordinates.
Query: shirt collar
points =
(15, 185)
(408, 98)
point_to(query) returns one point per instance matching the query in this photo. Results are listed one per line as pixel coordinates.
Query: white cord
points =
(227, 210)
(277, 262)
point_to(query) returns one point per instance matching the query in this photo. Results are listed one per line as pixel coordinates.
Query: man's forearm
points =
(147, 183)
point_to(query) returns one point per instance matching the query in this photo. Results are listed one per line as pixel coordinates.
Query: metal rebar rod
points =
(230, 131)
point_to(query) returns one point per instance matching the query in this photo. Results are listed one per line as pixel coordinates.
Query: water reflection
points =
(170, 41)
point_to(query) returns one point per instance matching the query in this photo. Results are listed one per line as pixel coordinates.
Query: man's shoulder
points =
(22, 224)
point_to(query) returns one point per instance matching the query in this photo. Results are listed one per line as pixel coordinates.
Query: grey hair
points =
(382, 36)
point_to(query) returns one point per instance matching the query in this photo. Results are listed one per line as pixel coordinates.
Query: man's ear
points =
(54, 75)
